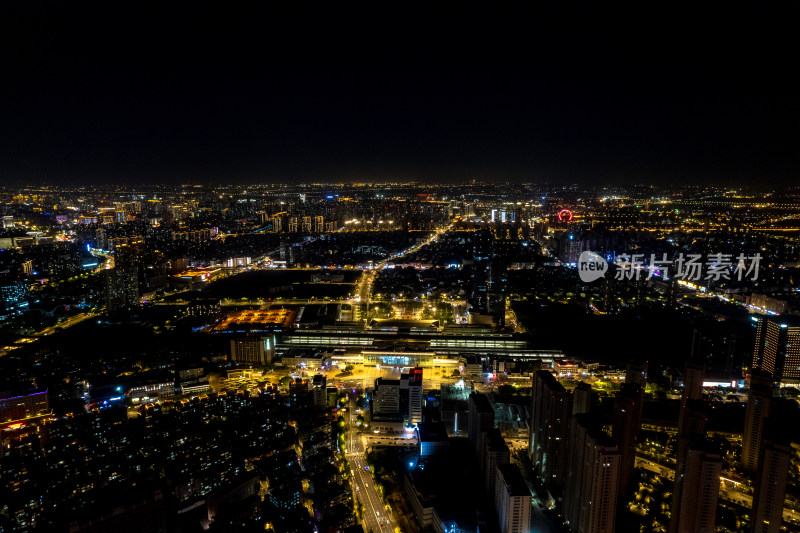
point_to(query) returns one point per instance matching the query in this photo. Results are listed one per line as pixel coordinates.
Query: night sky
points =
(226, 95)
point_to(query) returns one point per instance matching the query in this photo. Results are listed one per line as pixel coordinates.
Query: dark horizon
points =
(343, 96)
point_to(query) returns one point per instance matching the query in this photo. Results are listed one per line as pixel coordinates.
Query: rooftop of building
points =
(595, 430)
(277, 318)
(514, 480)
(8, 395)
(550, 381)
(432, 432)
(481, 402)
(414, 377)
(391, 323)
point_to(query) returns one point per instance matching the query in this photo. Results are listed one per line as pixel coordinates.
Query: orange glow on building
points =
(256, 320)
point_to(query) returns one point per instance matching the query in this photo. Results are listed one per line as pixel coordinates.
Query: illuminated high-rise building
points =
(695, 507)
(764, 354)
(628, 407)
(278, 221)
(691, 418)
(496, 292)
(386, 400)
(759, 402)
(691, 428)
(481, 418)
(319, 385)
(570, 248)
(479, 423)
(20, 405)
(128, 251)
(777, 347)
(693, 381)
(582, 399)
(411, 401)
(512, 500)
(252, 350)
(550, 411)
(14, 298)
(101, 239)
(592, 477)
(122, 288)
(298, 392)
(770, 482)
(495, 453)
(636, 373)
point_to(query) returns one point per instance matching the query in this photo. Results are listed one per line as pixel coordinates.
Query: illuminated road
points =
(109, 259)
(375, 517)
(66, 323)
(364, 287)
(540, 522)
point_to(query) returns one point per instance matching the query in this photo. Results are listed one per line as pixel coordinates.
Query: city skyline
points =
(297, 268)
(365, 357)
